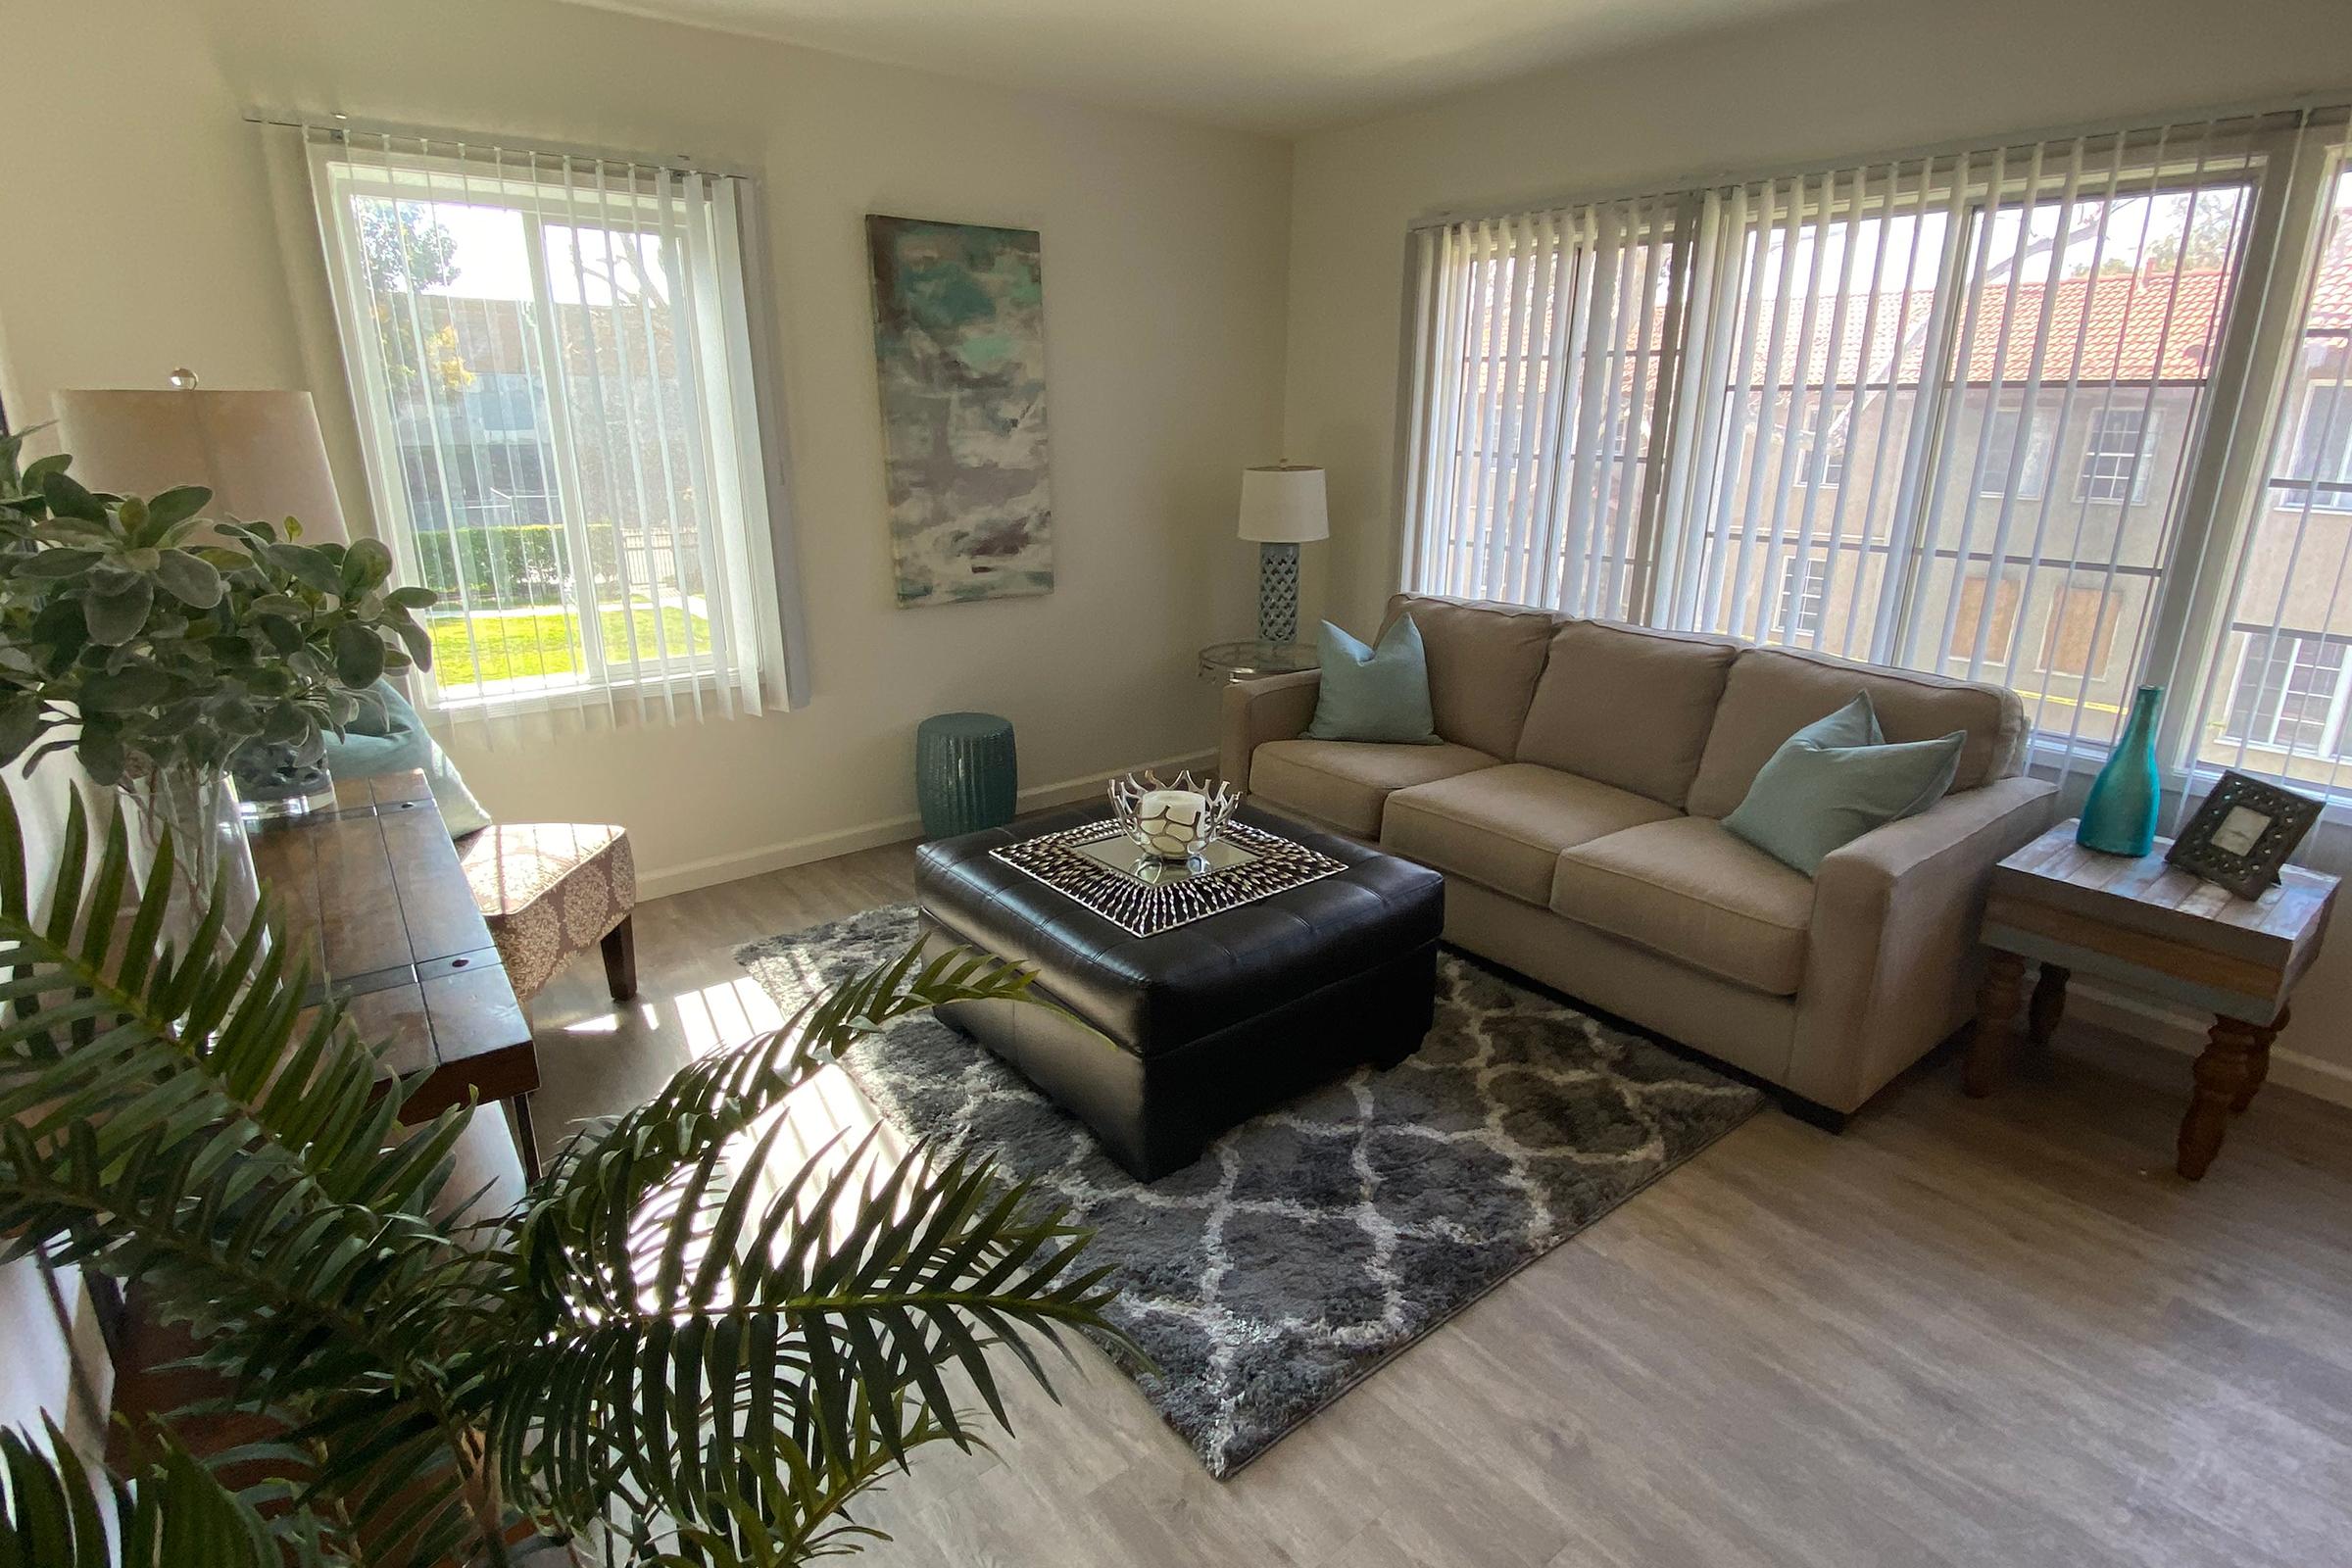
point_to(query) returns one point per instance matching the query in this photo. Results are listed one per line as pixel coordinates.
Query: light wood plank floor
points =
(1963, 1333)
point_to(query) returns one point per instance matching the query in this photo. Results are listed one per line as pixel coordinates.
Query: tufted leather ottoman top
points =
(1155, 994)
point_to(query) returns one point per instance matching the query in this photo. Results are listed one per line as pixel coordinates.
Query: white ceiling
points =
(1278, 65)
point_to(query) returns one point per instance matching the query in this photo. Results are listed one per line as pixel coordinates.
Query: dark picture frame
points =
(2244, 834)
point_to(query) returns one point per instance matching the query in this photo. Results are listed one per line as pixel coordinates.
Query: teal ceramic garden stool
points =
(965, 772)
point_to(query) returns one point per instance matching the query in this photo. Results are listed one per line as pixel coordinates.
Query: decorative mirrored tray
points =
(1100, 867)
(1119, 852)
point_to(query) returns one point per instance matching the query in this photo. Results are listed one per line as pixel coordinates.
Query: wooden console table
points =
(2146, 925)
(374, 889)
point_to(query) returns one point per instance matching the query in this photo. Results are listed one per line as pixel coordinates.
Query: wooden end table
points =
(372, 888)
(2146, 925)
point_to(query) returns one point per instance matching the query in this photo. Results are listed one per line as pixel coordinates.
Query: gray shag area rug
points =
(1312, 1244)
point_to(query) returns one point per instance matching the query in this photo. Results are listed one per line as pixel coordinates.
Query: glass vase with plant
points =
(153, 644)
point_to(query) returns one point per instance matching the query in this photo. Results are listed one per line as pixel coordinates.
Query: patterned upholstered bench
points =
(549, 890)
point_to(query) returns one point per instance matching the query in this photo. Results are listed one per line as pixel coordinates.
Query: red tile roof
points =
(2128, 326)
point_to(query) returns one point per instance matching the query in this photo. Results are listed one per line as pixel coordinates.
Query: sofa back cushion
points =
(1774, 691)
(1483, 660)
(1627, 706)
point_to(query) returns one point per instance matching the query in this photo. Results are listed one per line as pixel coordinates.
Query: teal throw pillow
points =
(1837, 778)
(1374, 693)
(389, 738)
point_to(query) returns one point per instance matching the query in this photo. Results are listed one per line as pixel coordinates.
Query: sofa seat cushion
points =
(1345, 783)
(1691, 890)
(1506, 827)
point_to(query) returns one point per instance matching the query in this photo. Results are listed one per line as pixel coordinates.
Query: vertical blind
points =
(552, 360)
(1539, 337)
(1953, 411)
(2274, 696)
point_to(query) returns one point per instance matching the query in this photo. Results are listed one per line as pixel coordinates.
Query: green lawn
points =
(538, 643)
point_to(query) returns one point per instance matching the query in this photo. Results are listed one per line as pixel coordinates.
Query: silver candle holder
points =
(1157, 825)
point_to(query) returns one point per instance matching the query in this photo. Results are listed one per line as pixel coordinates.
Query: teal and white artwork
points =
(959, 337)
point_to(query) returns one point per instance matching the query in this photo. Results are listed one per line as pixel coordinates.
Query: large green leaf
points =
(115, 616)
(189, 578)
(49, 563)
(176, 505)
(308, 565)
(365, 565)
(126, 690)
(67, 499)
(359, 655)
(20, 716)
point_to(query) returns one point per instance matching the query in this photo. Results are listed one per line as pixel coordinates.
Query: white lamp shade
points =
(1284, 505)
(259, 453)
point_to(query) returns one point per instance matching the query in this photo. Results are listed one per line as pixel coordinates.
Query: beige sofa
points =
(1575, 809)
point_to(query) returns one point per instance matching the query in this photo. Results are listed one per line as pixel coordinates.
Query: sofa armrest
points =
(1891, 960)
(1272, 708)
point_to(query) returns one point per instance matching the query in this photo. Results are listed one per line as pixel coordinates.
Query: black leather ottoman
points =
(1208, 1024)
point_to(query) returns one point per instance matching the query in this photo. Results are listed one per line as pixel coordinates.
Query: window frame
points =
(2034, 477)
(2317, 491)
(770, 658)
(2139, 464)
(1800, 608)
(2333, 739)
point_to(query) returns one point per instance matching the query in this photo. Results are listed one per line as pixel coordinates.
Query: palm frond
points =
(106, 1029)
(605, 1174)
(793, 1336)
(660, 1342)
(173, 1514)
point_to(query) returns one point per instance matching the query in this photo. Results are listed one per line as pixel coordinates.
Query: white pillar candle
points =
(1182, 808)
(1169, 818)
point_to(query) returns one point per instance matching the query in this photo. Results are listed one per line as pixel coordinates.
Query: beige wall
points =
(1848, 80)
(1164, 264)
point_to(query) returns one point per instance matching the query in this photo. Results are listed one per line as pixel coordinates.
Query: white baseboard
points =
(718, 869)
(2184, 1034)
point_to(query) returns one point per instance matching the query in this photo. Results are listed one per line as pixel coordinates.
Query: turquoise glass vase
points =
(2119, 815)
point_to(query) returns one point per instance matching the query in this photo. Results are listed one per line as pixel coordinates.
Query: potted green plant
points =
(154, 645)
(680, 1347)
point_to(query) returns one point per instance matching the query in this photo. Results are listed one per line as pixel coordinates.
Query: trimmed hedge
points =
(514, 563)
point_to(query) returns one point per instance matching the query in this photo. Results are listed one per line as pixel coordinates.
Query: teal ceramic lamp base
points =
(2119, 815)
(1277, 591)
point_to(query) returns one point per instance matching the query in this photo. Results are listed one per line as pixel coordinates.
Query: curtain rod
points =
(2306, 104)
(327, 119)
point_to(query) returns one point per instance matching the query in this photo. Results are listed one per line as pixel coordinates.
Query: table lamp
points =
(1282, 507)
(259, 453)
(263, 459)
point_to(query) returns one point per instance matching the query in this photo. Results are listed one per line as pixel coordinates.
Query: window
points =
(1538, 347)
(2081, 639)
(1828, 471)
(2287, 692)
(2119, 455)
(2274, 695)
(2000, 629)
(1804, 586)
(552, 363)
(2319, 471)
(2000, 449)
(1850, 393)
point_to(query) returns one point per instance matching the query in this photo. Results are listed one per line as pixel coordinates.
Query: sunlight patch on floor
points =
(722, 1016)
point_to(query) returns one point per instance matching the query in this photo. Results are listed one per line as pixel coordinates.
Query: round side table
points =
(1246, 661)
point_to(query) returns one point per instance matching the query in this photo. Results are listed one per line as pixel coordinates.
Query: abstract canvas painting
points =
(960, 338)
